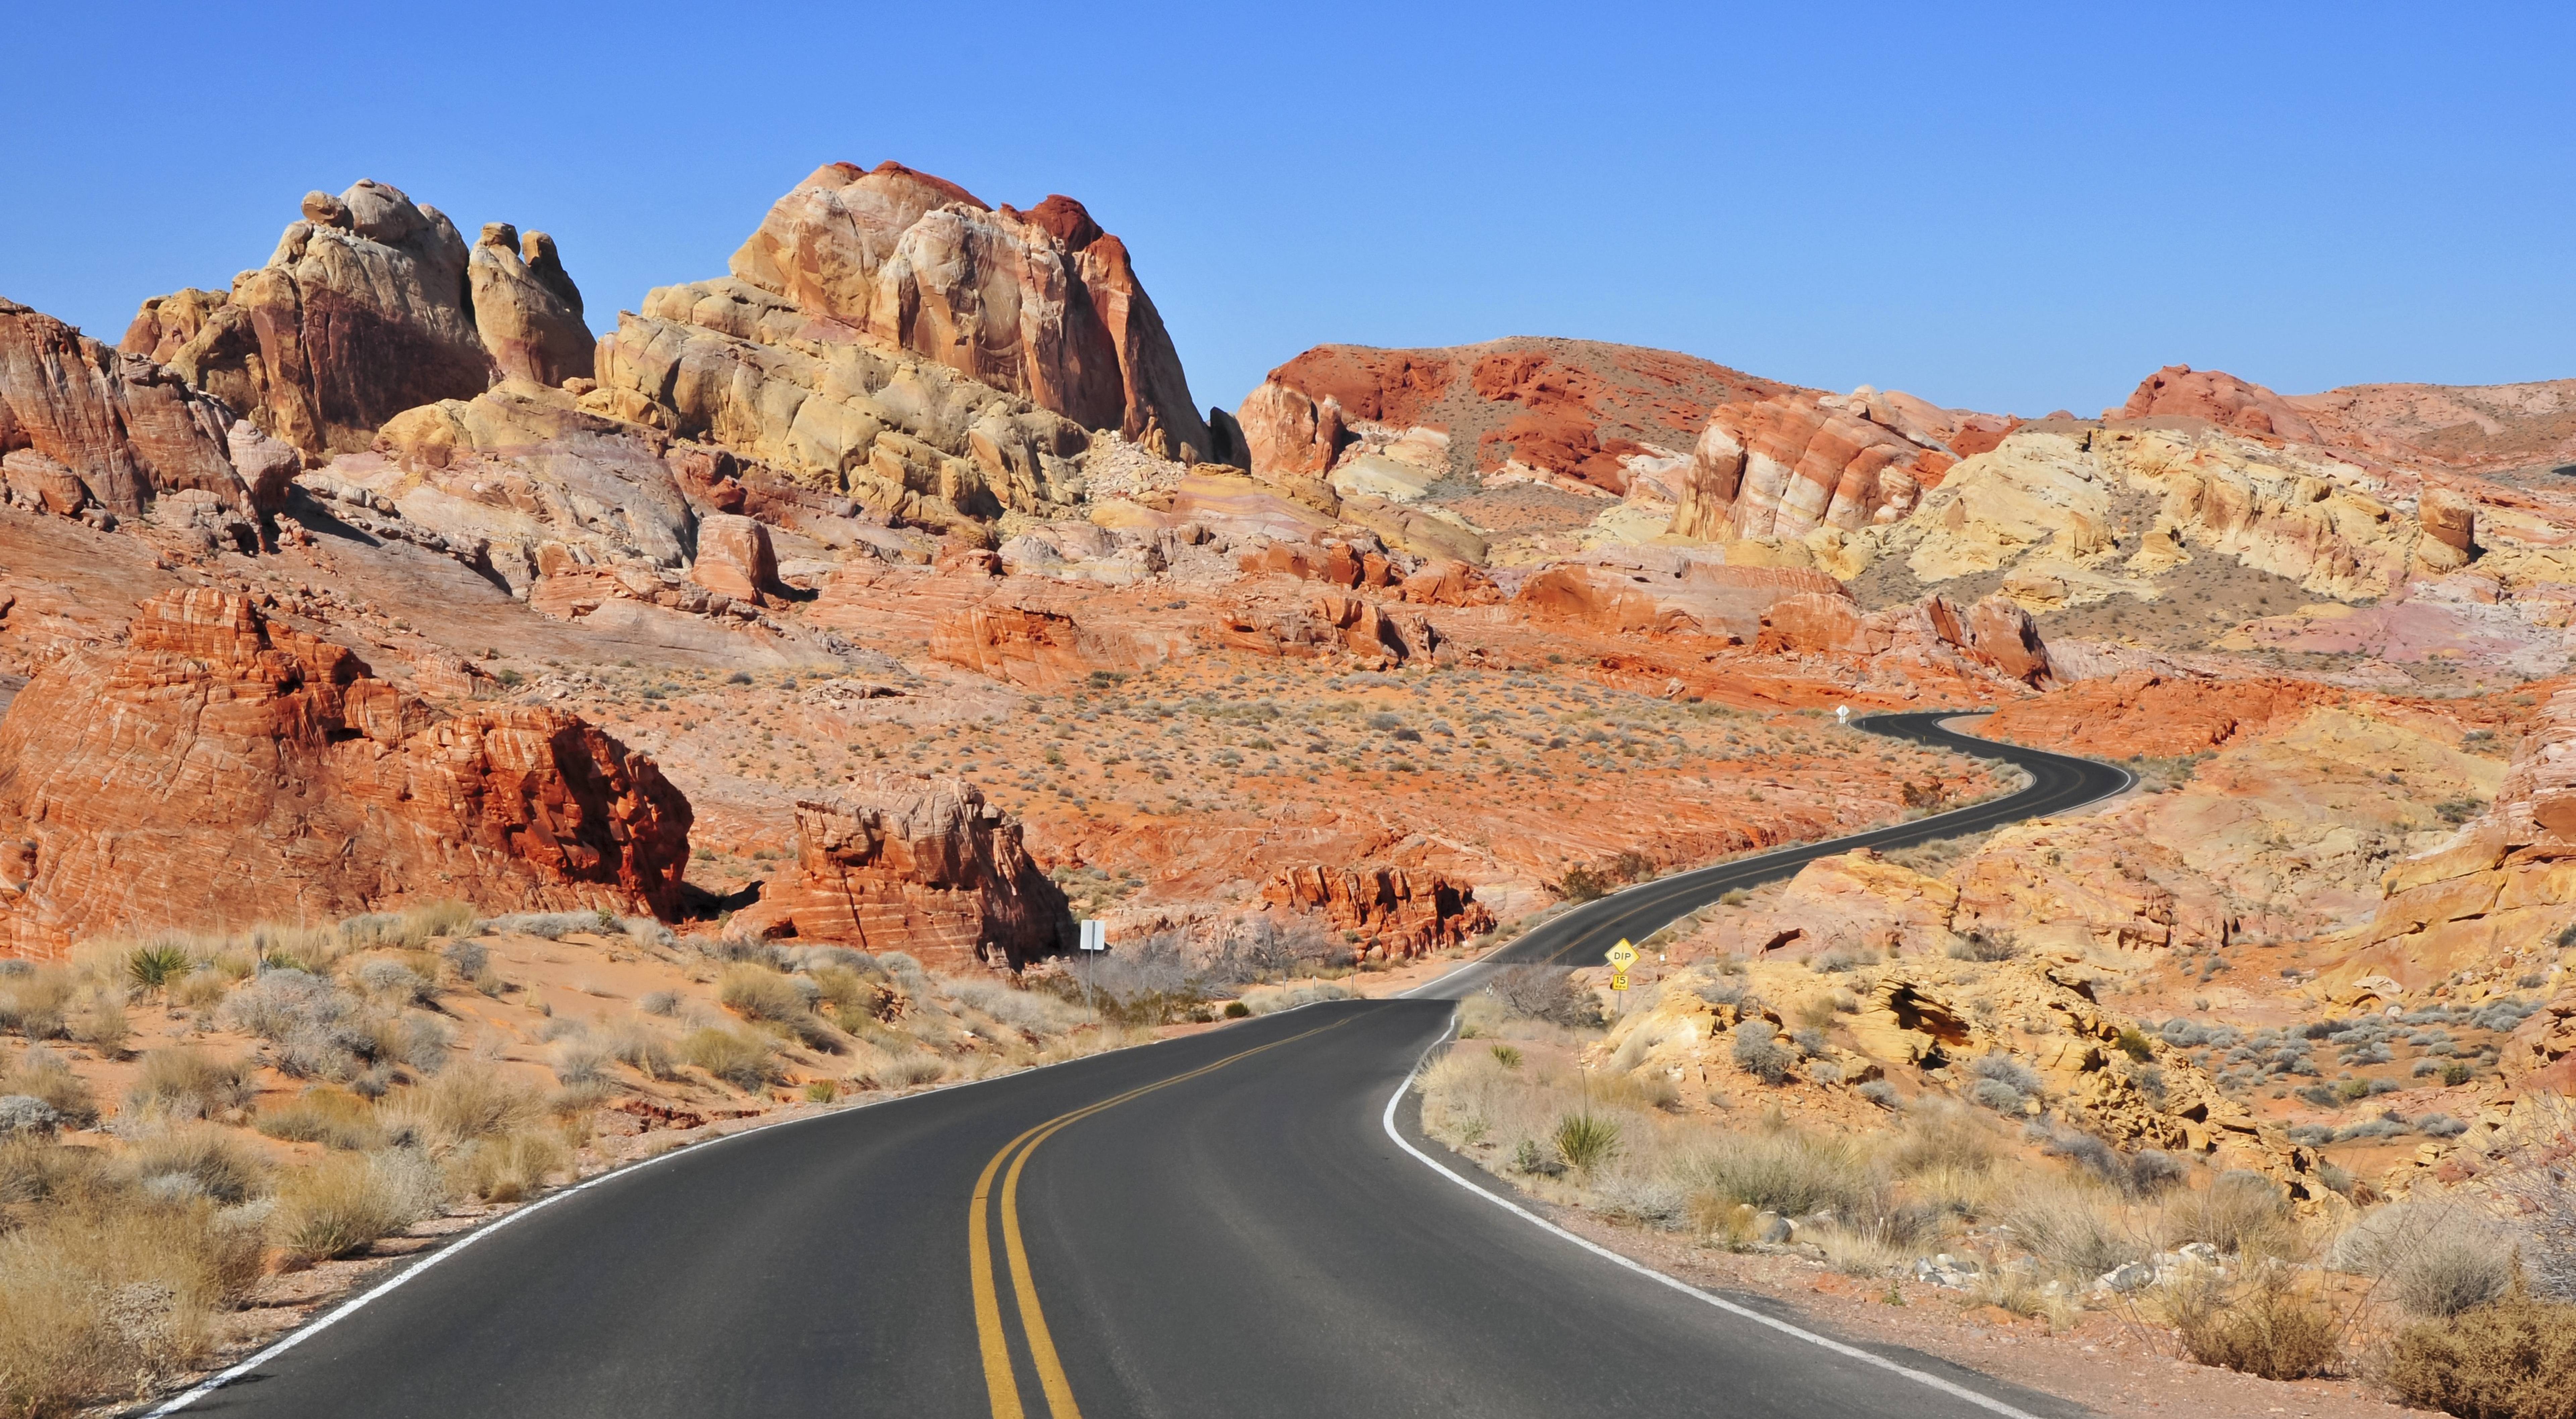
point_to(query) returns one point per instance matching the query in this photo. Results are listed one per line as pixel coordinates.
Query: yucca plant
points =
(1586, 1140)
(155, 967)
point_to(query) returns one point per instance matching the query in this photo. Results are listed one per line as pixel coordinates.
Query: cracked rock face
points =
(226, 767)
(906, 862)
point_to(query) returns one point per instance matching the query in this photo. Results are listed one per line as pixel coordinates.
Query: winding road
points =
(1243, 1222)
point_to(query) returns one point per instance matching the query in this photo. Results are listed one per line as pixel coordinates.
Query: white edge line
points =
(345, 1309)
(1687, 1289)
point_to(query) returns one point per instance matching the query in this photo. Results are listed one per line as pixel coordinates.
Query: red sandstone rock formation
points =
(80, 423)
(225, 769)
(1996, 632)
(2222, 398)
(1393, 913)
(362, 312)
(1029, 646)
(1572, 408)
(735, 557)
(1043, 304)
(1655, 595)
(2141, 712)
(906, 862)
(1785, 466)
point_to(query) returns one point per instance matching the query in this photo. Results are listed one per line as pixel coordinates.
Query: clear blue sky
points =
(2007, 207)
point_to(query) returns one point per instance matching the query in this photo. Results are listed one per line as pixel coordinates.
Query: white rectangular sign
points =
(1095, 935)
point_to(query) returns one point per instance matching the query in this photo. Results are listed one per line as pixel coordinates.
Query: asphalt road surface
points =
(1226, 1224)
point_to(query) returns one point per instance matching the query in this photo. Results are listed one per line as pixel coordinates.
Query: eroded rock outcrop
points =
(1782, 467)
(1385, 913)
(82, 425)
(363, 311)
(2179, 391)
(527, 311)
(907, 862)
(225, 767)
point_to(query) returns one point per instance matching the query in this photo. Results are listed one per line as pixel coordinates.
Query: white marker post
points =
(1095, 938)
(1842, 714)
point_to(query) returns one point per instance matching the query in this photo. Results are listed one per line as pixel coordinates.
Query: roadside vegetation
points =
(183, 1116)
(2461, 1299)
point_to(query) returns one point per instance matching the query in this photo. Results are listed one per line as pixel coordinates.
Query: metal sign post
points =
(1095, 938)
(1620, 957)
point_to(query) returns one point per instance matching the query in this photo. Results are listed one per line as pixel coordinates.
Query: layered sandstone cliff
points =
(1784, 466)
(82, 426)
(907, 862)
(224, 767)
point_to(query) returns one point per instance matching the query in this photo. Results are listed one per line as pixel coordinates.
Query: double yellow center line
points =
(999, 1381)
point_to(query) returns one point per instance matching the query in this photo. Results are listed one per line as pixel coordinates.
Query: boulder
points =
(2449, 517)
(361, 312)
(1031, 646)
(734, 557)
(906, 862)
(121, 427)
(527, 311)
(223, 767)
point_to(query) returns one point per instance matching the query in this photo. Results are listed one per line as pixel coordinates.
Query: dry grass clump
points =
(41, 1074)
(2272, 1325)
(1546, 993)
(103, 1286)
(738, 1057)
(2074, 1229)
(342, 1203)
(2513, 1359)
(196, 1160)
(331, 1117)
(2240, 1212)
(509, 1167)
(463, 1105)
(35, 1003)
(184, 1082)
(2437, 1257)
(1791, 1173)
(1271, 999)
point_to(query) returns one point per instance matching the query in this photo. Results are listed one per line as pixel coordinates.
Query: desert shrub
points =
(852, 995)
(1545, 993)
(469, 959)
(1020, 1009)
(196, 1160)
(42, 1075)
(182, 1082)
(316, 1025)
(758, 993)
(743, 1060)
(1860, 1250)
(907, 1070)
(2268, 1328)
(645, 929)
(199, 989)
(2153, 1170)
(423, 1044)
(2437, 1258)
(340, 1204)
(1582, 884)
(1757, 1051)
(330, 1117)
(1789, 1173)
(2071, 1230)
(1236, 1010)
(642, 1048)
(106, 1293)
(1943, 1136)
(660, 1002)
(1642, 1202)
(1270, 1000)
(390, 977)
(466, 1103)
(34, 1003)
(581, 1061)
(1978, 946)
(552, 926)
(1586, 1140)
(512, 1165)
(2241, 1212)
(2540, 1188)
(101, 1024)
(1881, 1093)
(2509, 1360)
